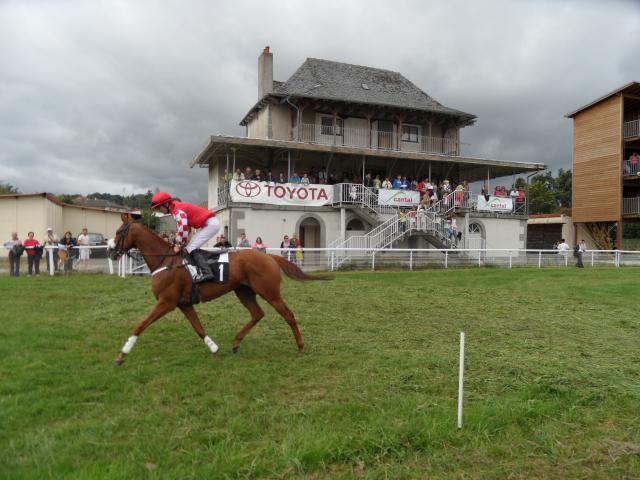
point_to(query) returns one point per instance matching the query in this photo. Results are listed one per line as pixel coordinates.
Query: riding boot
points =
(205, 274)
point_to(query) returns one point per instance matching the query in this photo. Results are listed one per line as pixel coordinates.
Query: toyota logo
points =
(248, 189)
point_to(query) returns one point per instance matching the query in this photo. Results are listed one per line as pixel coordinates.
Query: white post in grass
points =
(52, 267)
(461, 380)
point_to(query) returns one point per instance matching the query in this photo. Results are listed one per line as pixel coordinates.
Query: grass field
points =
(552, 380)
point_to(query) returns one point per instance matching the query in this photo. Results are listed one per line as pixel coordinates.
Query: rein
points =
(123, 232)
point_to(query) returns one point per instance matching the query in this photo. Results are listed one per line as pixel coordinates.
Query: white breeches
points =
(205, 233)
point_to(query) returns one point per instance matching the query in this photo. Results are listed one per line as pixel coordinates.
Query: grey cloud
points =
(120, 95)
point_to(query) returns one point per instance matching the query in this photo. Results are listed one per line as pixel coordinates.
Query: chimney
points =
(265, 73)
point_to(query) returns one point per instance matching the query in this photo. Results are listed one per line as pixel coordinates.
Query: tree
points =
(149, 219)
(548, 194)
(7, 188)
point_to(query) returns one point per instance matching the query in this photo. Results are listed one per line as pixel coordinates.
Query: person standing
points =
(259, 245)
(34, 252)
(85, 251)
(285, 245)
(243, 241)
(15, 247)
(51, 240)
(563, 250)
(66, 252)
(581, 248)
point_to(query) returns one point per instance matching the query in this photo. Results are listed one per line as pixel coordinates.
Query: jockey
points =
(189, 215)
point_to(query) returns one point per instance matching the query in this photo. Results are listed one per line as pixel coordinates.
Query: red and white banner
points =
(495, 204)
(248, 191)
(398, 198)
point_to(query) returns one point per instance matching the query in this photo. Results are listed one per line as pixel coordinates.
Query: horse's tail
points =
(293, 271)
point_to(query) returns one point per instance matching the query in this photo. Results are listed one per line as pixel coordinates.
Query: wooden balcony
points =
(376, 139)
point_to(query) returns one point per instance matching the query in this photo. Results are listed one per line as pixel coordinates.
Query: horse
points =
(250, 273)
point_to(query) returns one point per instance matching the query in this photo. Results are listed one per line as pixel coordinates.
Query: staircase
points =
(432, 222)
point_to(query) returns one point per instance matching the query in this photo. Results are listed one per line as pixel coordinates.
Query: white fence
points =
(333, 259)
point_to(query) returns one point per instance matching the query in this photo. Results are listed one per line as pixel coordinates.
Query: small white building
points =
(35, 212)
(344, 125)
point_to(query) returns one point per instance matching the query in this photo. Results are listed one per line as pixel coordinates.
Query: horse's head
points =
(122, 242)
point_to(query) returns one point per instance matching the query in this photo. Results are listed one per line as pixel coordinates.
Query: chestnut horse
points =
(250, 272)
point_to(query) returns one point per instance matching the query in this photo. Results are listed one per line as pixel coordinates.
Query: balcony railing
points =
(630, 168)
(631, 205)
(631, 129)
(375, 139)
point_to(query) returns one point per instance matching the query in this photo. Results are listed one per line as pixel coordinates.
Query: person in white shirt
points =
(563, 250)
(85, 252)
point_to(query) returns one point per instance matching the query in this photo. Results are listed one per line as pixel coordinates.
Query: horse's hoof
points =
(236, 349)
(117, 362)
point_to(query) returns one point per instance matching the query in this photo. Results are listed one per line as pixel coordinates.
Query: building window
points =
(409, 133)
(474, 228)
(326, 126)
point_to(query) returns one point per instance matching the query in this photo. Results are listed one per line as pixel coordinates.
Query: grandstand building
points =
(606, 177)
(350, 123)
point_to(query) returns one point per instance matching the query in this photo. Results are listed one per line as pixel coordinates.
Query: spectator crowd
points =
(68, 252)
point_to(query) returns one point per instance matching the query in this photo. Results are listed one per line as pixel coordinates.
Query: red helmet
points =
(160, 198)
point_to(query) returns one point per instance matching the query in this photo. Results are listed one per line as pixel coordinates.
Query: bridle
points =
(121, 235)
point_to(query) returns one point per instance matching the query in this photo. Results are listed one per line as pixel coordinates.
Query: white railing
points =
(358, 194)
(631, 129)
(630, 205)
(317, 259)
(630, 168)
(375, 139)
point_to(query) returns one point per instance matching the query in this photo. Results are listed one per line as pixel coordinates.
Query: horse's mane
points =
(150, 235)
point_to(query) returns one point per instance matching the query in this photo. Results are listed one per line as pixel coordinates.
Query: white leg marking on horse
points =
(129, 345)
(211, 344)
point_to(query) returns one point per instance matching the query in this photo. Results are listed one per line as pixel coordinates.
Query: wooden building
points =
(606, 184)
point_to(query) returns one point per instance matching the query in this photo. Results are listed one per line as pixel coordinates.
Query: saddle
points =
(218, 262)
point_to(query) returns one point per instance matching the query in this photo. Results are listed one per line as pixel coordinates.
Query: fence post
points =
(332, 258)
(509, 259)
(446, 259)
(592, 258)
(566, 260)
(617, 259)
(52, 267)
(410, 259)
(540, 259)
(373, 261)
(479, 257)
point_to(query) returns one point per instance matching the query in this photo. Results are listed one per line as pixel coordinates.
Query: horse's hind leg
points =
(248, 299)
(282, 309)
(191, 314)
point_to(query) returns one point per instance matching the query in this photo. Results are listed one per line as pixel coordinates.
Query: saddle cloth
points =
(218, 262)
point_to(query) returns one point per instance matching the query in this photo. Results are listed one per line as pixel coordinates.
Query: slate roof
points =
(324, 79)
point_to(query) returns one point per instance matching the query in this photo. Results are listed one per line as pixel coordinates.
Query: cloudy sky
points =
(118, 96)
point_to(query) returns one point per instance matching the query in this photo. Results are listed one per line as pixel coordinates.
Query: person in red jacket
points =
(188, 215)
(31, 246)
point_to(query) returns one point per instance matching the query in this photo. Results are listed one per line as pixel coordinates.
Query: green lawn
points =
(552, 380)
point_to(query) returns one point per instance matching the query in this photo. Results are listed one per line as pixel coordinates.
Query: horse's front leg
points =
(191, 314)
(161, 309)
